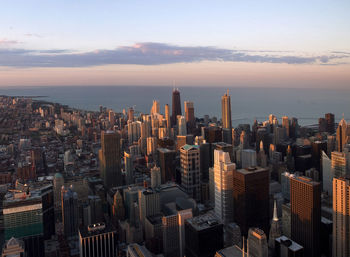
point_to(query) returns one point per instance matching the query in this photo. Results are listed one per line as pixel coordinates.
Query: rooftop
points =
(204, 221)
(95, 229)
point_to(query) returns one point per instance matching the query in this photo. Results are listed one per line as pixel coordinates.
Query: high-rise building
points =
(305, 202)
(166, 162)
(286, 124)
(167, 116)
(204, 235)
(171, 243)
(226, 116)
(118, 209)
(129, 168)
(181, 126)
(275, 229)
(111, 117)
(251, 198)
(341, 137)
(189, 115)
(284, 247)
(131, 114)
(257, 243)
(330, 122)
(341, 217)
(155, 107)
(109, 156)
(176, 106)
(152, 146)
(97, 240)
(149, 203)
(190, 170)
(327, 174)
(13, 248)
(223, 180)
(58, 182)
(136, 250)
(338, 162)
(248, 158)
(70, 212)
(134, 131)
(183, 215)
(156, 178)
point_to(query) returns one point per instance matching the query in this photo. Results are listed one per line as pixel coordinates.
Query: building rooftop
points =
(251, 170)
(204, 221)
(305, 180)
(95, 229)
(232, 251)
(289, 243)
(190, 147)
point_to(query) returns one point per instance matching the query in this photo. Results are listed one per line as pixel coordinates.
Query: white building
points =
(223, 186)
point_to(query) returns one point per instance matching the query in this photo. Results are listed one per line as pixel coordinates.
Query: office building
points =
(251, 198)
(166, 163)
(109, 156)
(223, 180)
(171, 244)
(13, 248)
(248, 158)
(167, 117)
(70, 211)
(305, 203)
(183, 215)
(156, 178)
(97, 240)
(58, 182)
(136, 250)
(134, 131)
(327, 174)
(129, 168)
(286, 124)
(204, 236)
(181, 126)
(275, 229)
(338, 164)
(190, 170)
(285, 247)
(189, 115)
(226, 116)
(329, 117)
(176, 106)
(111, 117)
(149, 203)
(257, 243)
(183, 140)
(341, 137)
(155, 107)
(341, 217)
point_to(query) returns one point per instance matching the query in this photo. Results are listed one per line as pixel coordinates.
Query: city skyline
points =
(252, 44)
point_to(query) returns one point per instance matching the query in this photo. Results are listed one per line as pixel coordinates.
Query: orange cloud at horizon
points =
(207, 73)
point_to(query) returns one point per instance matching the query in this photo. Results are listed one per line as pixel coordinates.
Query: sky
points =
(196, 43)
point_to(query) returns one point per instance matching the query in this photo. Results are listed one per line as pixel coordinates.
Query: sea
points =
(247, 104)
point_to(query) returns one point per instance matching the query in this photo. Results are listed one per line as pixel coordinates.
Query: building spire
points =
(275, 217)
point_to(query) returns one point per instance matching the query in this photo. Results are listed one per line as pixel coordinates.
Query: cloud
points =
(5, 41)
(32, 35)
(151, 54)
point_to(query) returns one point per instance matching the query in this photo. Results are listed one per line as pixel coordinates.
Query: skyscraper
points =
(70, 211)
(275, 229)
(167, 117)
(223, 180)
(181, 126)
(251, 198)
(190, 170)
(176, 106)
(329, 117)
(257, 243)
(204, 236)
(226, 118)
(341, 137)
(166, 160)
(341, 217)
(109, 156)
(97, 240)
(149, 203)
(286, 125)
(338, 162)
(189, 115)
(305, 201)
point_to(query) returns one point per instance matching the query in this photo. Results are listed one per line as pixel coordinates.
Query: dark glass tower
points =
(176, 106)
